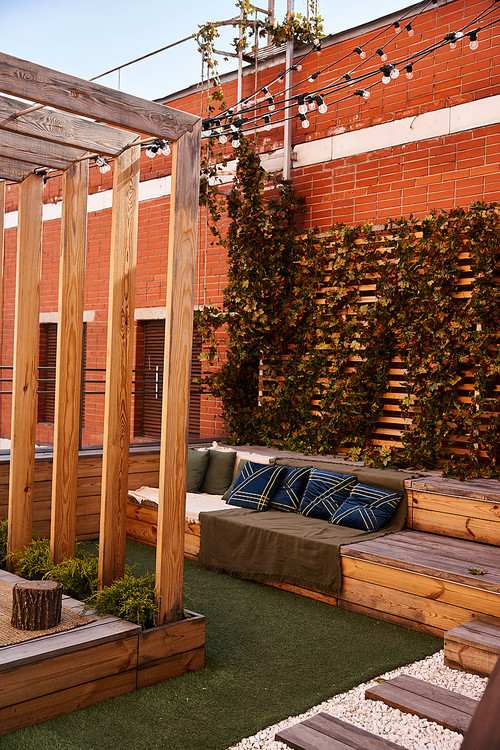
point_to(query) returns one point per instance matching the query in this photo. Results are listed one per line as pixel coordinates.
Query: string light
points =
(394, 73)
(302, 104)
(453, 38)
(364, 93)
(311, 103)
(386, 70)
(409, 71)
(313, 77)
(348, 78)
(102, 164)
(267, 122)
(222, 139)
(235, 142)
(165, 148)
(322, 108)
(360, 51)
(304, 121)
(473, 43)
(409, 29)
(382, 54)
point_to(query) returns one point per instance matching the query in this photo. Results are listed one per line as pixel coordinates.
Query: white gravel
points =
(374, 716)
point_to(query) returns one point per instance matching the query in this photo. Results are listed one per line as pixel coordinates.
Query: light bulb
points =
(222, 139)
(394, 73)
(313, 77)
(305, 123)
(349, 80)
(104, 168)
(205, 134)
(409, 29)
(473, 42)
(366, 94)
(382, 54)
(235, 142)
(267, 122)
(312, 105)
(165, 149)
(270, 104)
(453, 45)
(296, 67)
(409, 71)
(322, 109)
(151, 151)
(386, 79)
(360, 51)
(302, 109)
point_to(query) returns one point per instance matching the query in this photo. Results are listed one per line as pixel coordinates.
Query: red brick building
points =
(427, 143)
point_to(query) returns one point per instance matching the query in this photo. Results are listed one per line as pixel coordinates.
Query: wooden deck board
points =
(432, 702)
(325, 732)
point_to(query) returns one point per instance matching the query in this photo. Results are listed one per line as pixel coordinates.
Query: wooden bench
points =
(445, 707)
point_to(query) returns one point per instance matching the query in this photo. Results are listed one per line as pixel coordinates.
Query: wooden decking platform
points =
(54, 674)
(472, 647)
(445, 707)
(421, 580)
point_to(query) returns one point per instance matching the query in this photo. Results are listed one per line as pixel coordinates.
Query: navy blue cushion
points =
(256, 485)
(367, 508)
(291, 489)
(325, 492)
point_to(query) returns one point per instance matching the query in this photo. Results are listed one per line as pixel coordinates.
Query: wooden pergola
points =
(109, 123)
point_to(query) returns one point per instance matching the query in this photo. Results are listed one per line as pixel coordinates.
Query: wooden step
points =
(325, 732)
(472, 647)
(445, 707)
(465, 510)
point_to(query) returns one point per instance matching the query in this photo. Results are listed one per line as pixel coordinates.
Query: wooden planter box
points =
(55, 674)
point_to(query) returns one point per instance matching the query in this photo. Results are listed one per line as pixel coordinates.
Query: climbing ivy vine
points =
(335, 323)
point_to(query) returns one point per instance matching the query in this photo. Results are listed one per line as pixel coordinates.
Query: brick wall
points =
(390, 180)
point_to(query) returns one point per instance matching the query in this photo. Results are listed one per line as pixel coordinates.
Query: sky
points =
(88, 38)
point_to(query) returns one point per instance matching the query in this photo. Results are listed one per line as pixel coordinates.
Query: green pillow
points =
(219, 474)
(241, 464)
(197, 462)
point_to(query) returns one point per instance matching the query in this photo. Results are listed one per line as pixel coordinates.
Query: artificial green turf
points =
(270, 655)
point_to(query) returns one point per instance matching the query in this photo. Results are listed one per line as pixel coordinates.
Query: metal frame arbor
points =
(31, 137)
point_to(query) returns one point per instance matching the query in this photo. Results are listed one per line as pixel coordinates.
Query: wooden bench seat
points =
(445, 707)
(472, 647)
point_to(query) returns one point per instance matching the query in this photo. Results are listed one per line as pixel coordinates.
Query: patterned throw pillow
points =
(367, 508)
(325, 492)
(289, 493)
(256, 485)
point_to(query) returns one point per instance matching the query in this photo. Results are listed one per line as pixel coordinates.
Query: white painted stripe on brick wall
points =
(441, 122)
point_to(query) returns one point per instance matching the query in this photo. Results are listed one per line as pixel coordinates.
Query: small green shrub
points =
(131, 598)
(3, 541)
(78, 575)
(34, 561)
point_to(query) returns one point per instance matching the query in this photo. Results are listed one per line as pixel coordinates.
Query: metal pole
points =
(239, 94)
(287, 128)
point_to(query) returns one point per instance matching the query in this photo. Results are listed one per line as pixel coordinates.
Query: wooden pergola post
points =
(116, 441)
(2, 221)
(25, 375)
(69, 362)
(178, 341)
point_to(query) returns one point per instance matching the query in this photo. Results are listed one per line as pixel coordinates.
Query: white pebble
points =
(374, 716)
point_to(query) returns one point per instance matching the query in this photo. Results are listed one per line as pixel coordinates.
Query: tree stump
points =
(36, 605)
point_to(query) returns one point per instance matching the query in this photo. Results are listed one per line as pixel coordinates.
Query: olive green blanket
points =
(281, 547)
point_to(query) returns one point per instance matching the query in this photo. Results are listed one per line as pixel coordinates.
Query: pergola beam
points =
(16, 171)
(178, 341)
(25, 371)
(40, 153)
(117, 404)
(46, 86)
(69, 362)
(58, 127)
